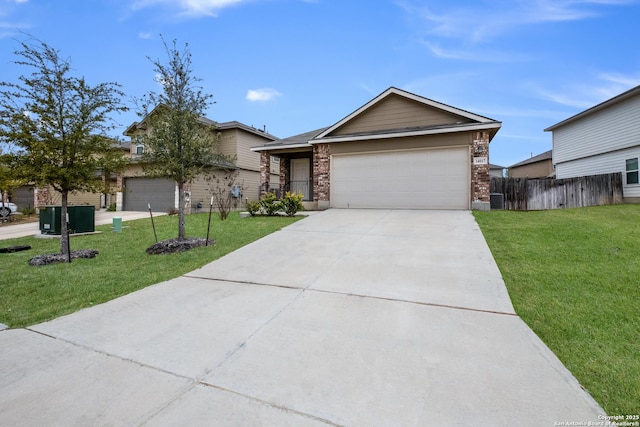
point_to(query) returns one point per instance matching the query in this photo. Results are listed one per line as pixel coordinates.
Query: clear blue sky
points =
(298, 65)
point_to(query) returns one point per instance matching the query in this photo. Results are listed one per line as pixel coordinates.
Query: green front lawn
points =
(30, 295)
(574, 277)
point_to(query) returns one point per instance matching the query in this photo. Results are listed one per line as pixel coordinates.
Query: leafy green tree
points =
(179, 142)
(55, 125)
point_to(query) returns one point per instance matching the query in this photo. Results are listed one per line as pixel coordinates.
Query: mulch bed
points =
(161, 248)
(55, 258)
(12, 249)
(177, 245)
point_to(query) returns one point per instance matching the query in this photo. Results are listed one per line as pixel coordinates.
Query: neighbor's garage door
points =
(423, 179)
(140, 192)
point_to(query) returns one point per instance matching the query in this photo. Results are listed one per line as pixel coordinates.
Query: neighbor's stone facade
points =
(285, 166)
(480, 191)
(265, 172)
(321, 175)
(41, 197)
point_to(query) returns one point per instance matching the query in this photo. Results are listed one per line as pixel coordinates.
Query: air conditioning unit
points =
(496, 201)
(236, 192)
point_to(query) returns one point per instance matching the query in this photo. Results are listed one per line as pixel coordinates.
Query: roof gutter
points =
(280, 147)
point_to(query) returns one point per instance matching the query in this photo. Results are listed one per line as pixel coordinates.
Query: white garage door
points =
(424, 179)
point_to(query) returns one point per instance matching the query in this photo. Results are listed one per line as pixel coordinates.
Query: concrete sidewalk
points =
(348, 317)
(101, 218)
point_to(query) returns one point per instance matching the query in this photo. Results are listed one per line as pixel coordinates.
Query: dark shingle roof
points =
(302, 138)
(539, 158)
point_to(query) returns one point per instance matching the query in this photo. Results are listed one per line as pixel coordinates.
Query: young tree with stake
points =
(178, 143)
(55, 126)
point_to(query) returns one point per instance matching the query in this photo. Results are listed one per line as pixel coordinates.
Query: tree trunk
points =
(64, 230)
(181, 234)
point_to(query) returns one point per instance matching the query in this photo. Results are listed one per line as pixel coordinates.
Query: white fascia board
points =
(280, 147)
(346, 138)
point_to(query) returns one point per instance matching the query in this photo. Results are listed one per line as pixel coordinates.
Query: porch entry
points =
(301, 177)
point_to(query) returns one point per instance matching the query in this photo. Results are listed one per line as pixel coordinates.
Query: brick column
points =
(265, 172)
(41, 197)
(285, 177)
(321, 175)
(480, 171)
(119, 192)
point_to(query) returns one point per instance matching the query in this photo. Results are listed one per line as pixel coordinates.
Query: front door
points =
(300, 177)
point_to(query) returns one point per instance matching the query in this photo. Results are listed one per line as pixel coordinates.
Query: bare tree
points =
(225, 190)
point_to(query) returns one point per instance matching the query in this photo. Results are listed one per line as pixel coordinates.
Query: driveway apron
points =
(347, 317)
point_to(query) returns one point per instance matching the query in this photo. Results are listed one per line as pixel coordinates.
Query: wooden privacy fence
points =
(525, 194)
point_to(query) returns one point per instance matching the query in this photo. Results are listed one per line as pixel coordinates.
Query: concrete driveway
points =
(348, 317)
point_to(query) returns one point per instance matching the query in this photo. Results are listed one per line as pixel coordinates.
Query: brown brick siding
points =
(285, 167)
(480, 173)
(265, 172)
(321, 172)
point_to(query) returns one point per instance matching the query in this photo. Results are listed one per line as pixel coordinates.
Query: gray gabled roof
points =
(237, 125)
(478, 119)
(603, 105)
(300, 140)
(535, 159)
(307, 139)
(208, 122)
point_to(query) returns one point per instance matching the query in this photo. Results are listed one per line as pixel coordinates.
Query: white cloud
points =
(603, 87)
(265, 94)
(621, 79)
(145, 35)
(473, 54)
(8, 28)
(189, 7)
(570, 97)
(484, 22)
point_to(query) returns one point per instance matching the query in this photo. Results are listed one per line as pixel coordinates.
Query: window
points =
(139, 146)
(632, 171)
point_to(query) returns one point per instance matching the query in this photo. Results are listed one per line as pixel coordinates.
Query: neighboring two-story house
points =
(234, 139)
(29, 195)
(603, 139)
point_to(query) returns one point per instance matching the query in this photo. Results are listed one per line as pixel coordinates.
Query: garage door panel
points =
(421, 179)
(158, 192)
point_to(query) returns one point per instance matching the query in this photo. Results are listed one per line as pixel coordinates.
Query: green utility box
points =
(117, 224)
(50, 220)
(82, 219)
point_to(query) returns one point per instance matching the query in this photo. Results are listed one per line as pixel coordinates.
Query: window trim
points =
(635, 171)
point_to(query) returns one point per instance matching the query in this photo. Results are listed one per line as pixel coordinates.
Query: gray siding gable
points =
(616, 127)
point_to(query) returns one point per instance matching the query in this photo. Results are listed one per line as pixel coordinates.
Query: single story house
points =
(540, 166)
(235, 139)
(399, 150)
(496, 171)
(600, 140)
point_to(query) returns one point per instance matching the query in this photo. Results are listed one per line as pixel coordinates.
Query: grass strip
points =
(574, 277)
